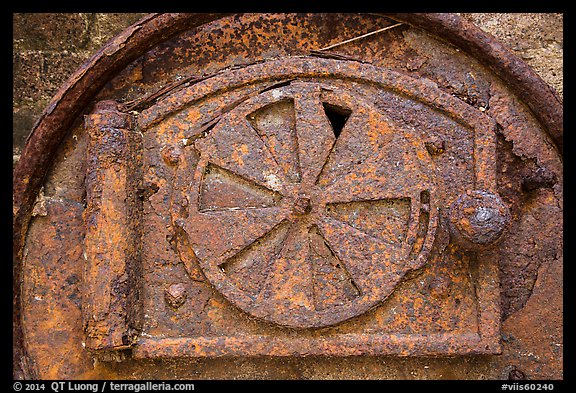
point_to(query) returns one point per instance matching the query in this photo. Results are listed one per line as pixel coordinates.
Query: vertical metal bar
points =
(111, 312)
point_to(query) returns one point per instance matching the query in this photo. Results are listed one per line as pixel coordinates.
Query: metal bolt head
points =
(302, 205)
(175, 295)
(478, 219)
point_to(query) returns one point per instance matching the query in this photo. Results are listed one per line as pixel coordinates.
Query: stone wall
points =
(48, 47)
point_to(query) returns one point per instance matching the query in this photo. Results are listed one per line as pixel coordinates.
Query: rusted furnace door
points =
(240, 187)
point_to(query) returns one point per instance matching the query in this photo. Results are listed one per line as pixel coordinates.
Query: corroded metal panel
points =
(305, 205)
(271, 198)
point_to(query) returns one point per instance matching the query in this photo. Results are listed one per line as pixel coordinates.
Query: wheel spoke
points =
(224, 190)
(363, 135)
(275, 124)
(236, 146)
(289, 284)
(250, 267)
(373, 265)
(217, 236)
(391, 173)
(386, 220)
(332, 284)
(314, 132)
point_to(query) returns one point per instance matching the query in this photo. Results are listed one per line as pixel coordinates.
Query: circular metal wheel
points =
(308, 206)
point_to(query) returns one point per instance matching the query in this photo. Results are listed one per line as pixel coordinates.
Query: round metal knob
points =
(478, 219)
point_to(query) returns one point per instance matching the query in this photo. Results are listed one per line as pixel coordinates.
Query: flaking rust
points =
(248, 195)
(269, 198)
(111, 297)
(307, 207)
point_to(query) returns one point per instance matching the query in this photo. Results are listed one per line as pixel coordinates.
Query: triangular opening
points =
(337, 116)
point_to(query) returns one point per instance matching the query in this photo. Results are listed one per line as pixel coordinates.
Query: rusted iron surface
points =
(308, 234)
(54, 123)
(522, 79)
(56, 239)
(478, 219)
(267, 191)
(296, 204)
(111, 297)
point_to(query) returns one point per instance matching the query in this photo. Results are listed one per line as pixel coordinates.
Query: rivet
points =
(175, 295)
(478, 218)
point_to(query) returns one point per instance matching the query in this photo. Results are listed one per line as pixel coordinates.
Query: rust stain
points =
(236, 237)
(111, 295)
(280, 204)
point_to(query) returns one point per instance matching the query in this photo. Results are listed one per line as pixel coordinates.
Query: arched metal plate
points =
(270, 199)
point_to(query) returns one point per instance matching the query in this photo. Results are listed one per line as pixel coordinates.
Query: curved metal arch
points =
(84, 84)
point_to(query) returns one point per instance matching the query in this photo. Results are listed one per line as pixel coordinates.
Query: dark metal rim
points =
(84, 84)
(544, 102)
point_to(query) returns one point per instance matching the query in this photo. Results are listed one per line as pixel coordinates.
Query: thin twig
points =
(359, 37)
(337, 56)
